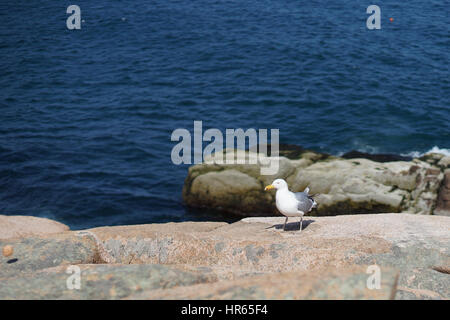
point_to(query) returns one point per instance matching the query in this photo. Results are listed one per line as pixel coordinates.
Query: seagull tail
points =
(314, 205)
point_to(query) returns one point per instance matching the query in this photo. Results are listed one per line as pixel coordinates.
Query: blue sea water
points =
(86, 115)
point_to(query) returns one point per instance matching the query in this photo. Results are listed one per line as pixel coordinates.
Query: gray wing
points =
(305, 202)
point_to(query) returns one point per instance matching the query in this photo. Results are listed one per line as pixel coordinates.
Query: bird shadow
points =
(293, 226)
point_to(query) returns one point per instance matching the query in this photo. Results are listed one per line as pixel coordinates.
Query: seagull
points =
(291, 204)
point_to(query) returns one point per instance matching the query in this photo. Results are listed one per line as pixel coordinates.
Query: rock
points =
(342, 284)
(332, 258)
(7, 251)
(97, 282)
(148, 243)
(36, 253)
(24, 226)
(423, 283)
(432, 158)
(443, 202)
(444, 163)
(379, 157)
(294, 152)
(229, 188)
(344, 186)
(258, 246)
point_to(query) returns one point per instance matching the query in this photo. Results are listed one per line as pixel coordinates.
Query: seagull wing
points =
(305, 202)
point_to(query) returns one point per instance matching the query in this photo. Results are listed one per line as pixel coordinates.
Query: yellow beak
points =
(269, 187)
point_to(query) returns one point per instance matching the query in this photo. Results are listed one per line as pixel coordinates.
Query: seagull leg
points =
(284, 227)
(301, 223)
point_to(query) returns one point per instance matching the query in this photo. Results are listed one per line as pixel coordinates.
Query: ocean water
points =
(86, 115)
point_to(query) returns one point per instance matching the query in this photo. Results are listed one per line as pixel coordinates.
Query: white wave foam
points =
(435, 149)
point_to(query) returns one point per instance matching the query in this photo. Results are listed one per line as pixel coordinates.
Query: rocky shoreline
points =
(333, 257)
(344, 185)
(249, 259)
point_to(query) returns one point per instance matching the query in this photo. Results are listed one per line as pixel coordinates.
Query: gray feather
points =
(305, 203)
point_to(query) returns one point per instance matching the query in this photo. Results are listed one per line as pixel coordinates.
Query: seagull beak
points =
(269, 187)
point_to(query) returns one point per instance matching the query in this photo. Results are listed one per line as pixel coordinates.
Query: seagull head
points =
(277, 184)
